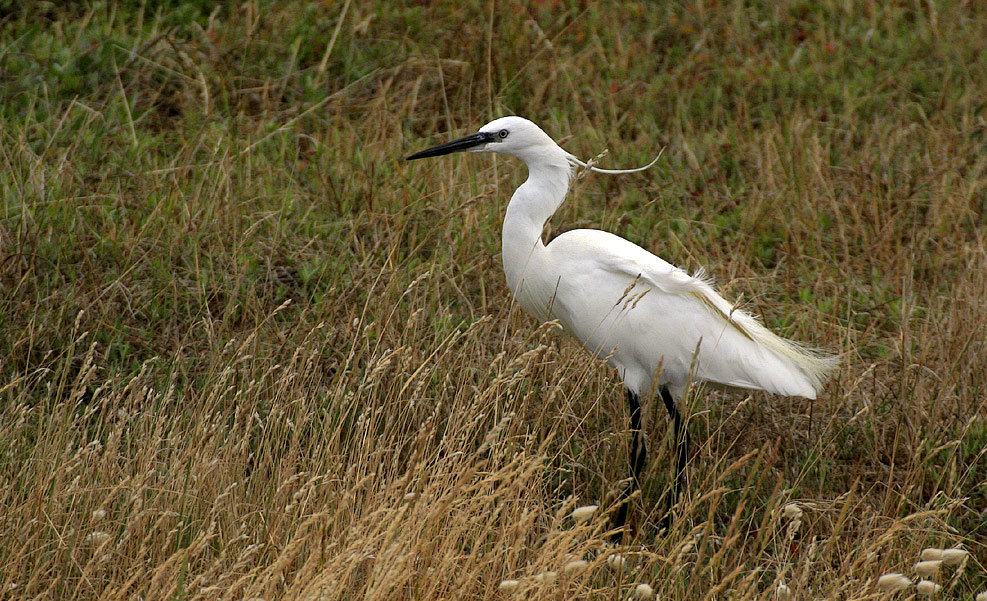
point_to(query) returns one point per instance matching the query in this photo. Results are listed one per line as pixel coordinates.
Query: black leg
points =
(639, 454)
(682, 443)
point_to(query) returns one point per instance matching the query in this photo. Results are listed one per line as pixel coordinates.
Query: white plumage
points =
(626, 304)
(642, 314)
(639, 312)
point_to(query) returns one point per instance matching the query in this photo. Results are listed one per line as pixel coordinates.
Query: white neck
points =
(533, 204)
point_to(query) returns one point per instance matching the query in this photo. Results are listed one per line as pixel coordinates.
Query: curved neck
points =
(532, 205)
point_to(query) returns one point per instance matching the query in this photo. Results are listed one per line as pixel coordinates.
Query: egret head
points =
(515, 136)
(518, 137)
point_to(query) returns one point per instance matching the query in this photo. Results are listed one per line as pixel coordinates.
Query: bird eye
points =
(502, 133)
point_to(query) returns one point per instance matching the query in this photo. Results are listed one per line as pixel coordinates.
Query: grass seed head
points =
(930, 554)
(574, 567)
(783, 592)
(616, 561)
(97, 538)
(893, 582)
(546, 577)
(927, 568)
(509, 586)
(644, 592)
(927, 587)
(952, 557)
(99, 514)
(584, 513)
(982, 596)
(792, 511)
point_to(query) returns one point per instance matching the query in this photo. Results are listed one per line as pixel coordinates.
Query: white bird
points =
(657, 325)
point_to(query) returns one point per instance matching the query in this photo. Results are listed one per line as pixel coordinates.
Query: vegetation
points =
(248, 353)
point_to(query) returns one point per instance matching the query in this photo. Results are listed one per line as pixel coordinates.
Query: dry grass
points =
(247, 353)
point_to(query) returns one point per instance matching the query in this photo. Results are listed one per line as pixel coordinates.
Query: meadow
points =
(247, 352)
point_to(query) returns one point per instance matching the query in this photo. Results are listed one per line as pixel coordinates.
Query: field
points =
(247, 352)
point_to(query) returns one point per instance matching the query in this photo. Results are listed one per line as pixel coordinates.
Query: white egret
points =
(646, 317)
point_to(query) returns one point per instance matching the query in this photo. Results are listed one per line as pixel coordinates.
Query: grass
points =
(248, 353)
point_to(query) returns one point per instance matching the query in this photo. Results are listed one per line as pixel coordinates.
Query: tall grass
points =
(248, 353)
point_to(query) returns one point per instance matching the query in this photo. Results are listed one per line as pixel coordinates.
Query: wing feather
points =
(743, 353)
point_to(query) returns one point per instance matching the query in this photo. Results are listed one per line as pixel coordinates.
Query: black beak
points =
(470, 141)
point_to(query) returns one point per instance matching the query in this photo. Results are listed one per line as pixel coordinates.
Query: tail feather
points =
(806, 369)
(797, 370)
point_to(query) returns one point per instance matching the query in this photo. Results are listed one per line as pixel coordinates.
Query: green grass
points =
(238, 323)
